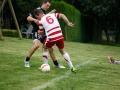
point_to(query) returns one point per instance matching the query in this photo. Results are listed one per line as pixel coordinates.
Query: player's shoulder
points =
(50, 14)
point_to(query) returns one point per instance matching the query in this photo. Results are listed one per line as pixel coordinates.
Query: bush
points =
(11, 33)
(70, 34)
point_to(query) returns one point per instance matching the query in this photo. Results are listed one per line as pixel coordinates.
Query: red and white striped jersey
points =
(52, 27)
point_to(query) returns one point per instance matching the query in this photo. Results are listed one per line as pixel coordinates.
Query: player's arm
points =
(53, 11)
(28, 18)
(31, 19)
(62, 16)
(41, 30)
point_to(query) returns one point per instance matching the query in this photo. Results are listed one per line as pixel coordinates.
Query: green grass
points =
(97, 74)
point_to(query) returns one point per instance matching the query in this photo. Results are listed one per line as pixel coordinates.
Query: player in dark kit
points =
(39, 38)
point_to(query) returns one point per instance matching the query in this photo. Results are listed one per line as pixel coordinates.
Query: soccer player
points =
(39, 38)
(113, 61)
(54, 33)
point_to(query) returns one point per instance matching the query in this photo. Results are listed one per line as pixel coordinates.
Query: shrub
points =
(70, 34)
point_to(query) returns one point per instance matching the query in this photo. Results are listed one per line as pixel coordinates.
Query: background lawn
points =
(94, 71)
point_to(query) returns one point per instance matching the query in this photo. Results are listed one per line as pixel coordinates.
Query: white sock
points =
(45, 57)
(67, 58)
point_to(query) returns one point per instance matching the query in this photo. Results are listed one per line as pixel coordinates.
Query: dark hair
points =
(38, 11)
(45, 1)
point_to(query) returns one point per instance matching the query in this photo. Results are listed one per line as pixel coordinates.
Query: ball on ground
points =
(45, 68)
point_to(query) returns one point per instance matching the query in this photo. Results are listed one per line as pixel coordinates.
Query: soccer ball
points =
(45, 67)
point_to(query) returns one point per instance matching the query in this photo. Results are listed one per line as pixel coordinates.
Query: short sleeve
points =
(57, 15)
(40, 25)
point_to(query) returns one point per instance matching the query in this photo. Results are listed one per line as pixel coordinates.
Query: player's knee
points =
(37, 46)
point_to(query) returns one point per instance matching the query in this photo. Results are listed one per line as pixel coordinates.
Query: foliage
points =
(99, 16)
(23, 8)
(71, 34)
(104, 14)
(11, 33)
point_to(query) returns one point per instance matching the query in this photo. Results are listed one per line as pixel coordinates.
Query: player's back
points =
(52, 27)
(50, 21)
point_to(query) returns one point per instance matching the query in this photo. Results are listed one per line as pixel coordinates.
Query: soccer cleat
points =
(73, 69)
(27, 64)
(60, 66)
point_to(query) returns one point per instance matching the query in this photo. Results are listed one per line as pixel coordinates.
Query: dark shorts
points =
(58, 43)
(40, 38)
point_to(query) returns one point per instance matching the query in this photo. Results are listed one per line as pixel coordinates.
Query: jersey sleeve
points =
(39, 24)
(41, 29)
(57, 15)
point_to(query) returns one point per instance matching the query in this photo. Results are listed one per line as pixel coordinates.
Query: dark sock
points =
(27, 58)
(55, 63)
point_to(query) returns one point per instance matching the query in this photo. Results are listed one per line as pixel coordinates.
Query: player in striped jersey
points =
(54, 33)
(39, 38)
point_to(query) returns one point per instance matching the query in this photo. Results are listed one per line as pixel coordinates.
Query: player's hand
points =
(36, 21)
(70, 24)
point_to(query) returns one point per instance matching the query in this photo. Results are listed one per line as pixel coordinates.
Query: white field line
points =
(52, 81)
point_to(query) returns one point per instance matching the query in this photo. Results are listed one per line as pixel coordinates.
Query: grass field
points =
(94, 71)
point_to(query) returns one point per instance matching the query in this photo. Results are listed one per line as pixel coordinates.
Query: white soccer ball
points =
(45, 67)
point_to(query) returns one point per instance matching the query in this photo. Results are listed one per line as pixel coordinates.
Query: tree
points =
(13, 14)
(23, 8)
(104, 15)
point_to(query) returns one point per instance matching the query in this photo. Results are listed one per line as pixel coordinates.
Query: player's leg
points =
(54, 59)
(52, 55)
(45, 52)
(45, 55)
(67, 59)
(60, 45)
(112, 60)
(36, 45)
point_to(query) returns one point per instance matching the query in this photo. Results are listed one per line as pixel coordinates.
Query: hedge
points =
(70, 34)
(10, 32)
